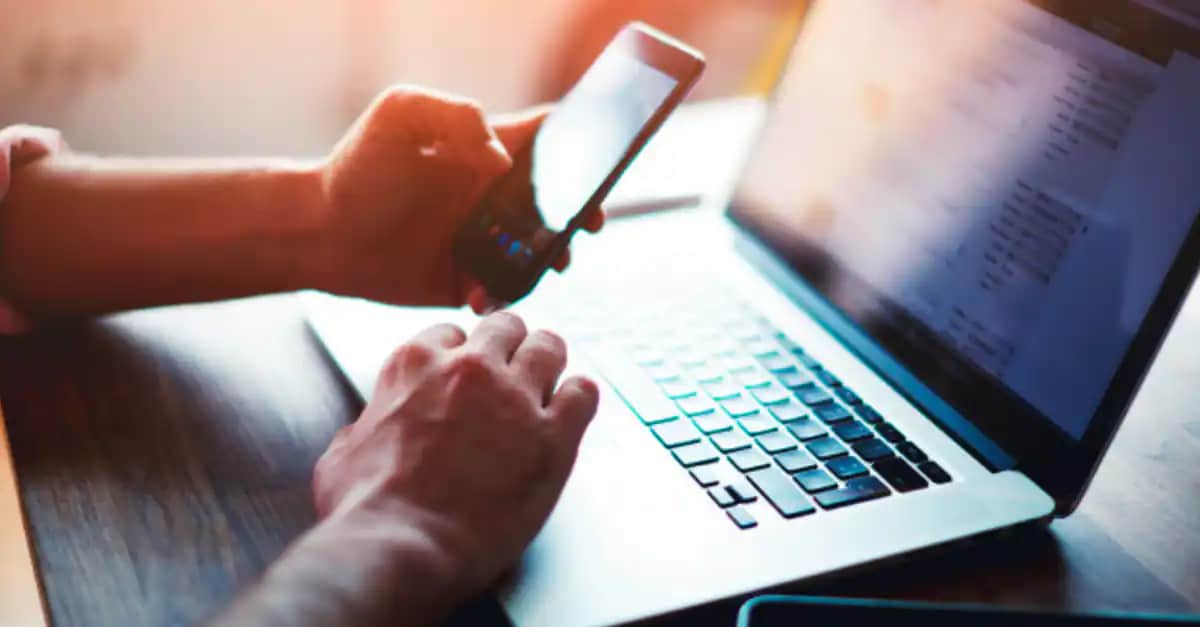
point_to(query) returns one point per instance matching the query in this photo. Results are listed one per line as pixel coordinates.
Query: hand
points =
(397, 187)
(467, 440)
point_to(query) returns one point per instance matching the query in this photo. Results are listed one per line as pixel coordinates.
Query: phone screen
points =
(578, 146)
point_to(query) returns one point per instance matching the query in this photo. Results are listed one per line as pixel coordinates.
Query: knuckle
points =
(471, 110)
(451, 332)
(412, 355)
(396, 96)
(549, 344)
(509, 319)
(552, 340)
(471, 367)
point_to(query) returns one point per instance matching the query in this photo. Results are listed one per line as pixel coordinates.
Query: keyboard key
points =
(846, 467)
(676, 432)
(831, 412)
(707, 373)
(741, 491)
(771, 393)
(745, 331)
(757, 424)
(825, 448)
(855, 491)
(775, 442)
(826, 377)
(721, 497)
(714, 422)
(707, 475)
(868, 414)
(900, 475)
(739, 406)
(754, 378)
(814, 480)
(810, 394)
(808, 360)
(722, 389)
(781, 492)
(677, 388)
(690, 358)
(695, 454)
(793, 378)
(741, 517)
(663, 372)
(738, 363)
(851, 430)
(748, 460)
(912, 452)
(889, 432)
(787, 343)
(807, 429)
(723, 349)
(647, 356)
(788, 410)
(730, 441)
(642, 396)
(762, 347)
(696, 405)
(872, 449)
(795, 460)
(776, 362)
(848, 396)
(935, 472)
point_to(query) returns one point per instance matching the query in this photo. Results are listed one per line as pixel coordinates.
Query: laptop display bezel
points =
(1058, 463)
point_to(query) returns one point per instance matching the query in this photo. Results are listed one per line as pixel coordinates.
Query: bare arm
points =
(81, 235)
(361, 568)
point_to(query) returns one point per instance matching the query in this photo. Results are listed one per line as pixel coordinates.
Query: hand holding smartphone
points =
(526, 219)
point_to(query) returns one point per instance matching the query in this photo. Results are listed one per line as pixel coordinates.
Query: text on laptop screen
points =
(994, 188)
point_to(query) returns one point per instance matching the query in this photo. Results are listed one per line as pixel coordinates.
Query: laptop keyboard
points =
(750, 415)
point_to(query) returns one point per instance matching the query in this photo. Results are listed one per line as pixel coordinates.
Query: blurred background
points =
(268, 77)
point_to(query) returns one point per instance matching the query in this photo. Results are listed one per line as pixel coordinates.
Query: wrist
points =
(306, 231)
(360, 566)
(425, 563)
(436, 544)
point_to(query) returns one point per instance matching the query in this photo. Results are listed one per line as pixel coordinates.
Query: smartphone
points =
(526, 218)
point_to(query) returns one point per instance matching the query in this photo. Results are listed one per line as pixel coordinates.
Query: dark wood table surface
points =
(164, 458)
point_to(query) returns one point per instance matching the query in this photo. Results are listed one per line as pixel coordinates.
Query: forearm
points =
(82, 236)
(354, 569)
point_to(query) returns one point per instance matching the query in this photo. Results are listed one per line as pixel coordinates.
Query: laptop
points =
(914, 312)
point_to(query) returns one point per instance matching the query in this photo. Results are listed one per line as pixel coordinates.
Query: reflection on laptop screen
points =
(991, 176)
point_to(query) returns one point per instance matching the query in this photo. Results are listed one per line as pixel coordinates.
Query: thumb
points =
(29, 143)
(517, 130)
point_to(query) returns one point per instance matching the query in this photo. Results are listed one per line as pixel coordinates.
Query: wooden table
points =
(164, 459)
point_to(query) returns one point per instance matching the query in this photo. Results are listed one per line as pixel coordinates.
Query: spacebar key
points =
(639, 392)
(781, 492)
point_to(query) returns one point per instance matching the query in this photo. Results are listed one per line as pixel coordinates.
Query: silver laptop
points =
(914, 312)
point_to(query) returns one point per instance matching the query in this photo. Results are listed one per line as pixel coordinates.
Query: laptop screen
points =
(994, 191)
